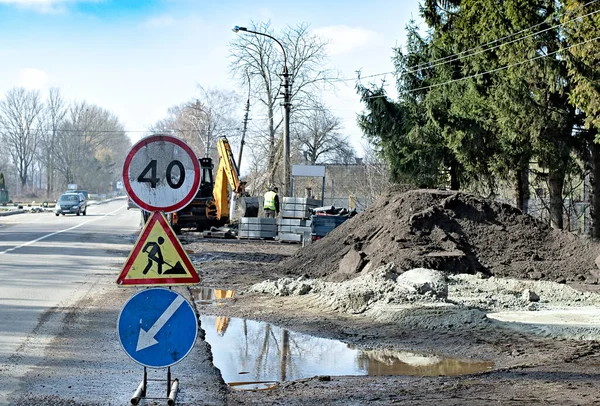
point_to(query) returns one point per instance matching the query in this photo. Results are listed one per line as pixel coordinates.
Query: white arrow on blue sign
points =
(157, 327)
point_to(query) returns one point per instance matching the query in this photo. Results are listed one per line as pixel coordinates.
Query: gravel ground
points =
(456, 300)
(388, 310)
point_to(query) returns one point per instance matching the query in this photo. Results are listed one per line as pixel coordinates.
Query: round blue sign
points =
(157, 327)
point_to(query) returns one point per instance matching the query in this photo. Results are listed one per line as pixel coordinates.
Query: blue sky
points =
(137, 58)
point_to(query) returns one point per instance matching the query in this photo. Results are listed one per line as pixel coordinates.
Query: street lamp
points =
(287, 104)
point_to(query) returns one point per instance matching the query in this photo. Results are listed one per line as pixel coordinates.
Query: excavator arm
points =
(229, 166)
(227, 174)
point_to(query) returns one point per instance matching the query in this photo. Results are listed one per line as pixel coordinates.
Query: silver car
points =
(71, 203)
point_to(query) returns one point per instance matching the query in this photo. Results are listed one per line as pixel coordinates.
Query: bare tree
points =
(90, 145)
(258, 59)
(20, 112)
(318, 133)
(376, 179)
(216, 112)
(53, 116)
(201, 121)
(184, 123)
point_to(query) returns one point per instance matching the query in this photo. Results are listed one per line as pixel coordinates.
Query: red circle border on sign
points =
(148, 140)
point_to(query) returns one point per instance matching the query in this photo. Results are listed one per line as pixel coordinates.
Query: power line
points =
(506, 37)
(75, 131)
(460, 57)
(479, 48)
(494, 70)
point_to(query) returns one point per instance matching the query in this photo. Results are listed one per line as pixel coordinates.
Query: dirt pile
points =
(447, 231)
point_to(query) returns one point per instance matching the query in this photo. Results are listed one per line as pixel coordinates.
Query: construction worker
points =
(271, 203)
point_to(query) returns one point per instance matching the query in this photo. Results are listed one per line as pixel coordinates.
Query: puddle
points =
(207, 296)
(254, 355)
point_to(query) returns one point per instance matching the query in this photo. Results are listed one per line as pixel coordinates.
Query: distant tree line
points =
(48, 143)
(495, 92)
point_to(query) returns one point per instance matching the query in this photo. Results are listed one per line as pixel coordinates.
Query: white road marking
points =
(57, 232)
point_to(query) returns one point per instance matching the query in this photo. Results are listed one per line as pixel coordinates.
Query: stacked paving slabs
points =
(293, 230)
(298, 207)
(294, 226)
(323, 224)
(257, 228)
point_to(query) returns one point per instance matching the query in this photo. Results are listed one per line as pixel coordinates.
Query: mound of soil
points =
(448, 231)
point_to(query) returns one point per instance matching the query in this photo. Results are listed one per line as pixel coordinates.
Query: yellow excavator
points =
(210, 207)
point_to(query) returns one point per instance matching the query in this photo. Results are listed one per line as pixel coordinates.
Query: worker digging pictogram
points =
(158, 258)
(155, 257)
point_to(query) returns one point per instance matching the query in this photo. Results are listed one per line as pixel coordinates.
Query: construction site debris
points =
(448, 231)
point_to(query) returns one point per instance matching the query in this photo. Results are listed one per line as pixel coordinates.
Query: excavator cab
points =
(195, 214)
(206, 182)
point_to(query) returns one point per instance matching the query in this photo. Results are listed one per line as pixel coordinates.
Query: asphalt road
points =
(59, 306)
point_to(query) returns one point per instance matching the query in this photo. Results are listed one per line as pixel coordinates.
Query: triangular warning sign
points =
(158, 258)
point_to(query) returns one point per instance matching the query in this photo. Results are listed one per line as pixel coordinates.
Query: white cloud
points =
(160, 21)
(45, 6)
(31, 78)
(32, 2)
(343, 39)
(265, 14)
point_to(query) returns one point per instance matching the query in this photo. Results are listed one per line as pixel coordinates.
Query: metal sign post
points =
(157, 327)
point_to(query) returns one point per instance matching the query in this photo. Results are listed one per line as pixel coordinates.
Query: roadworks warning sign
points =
(158, 258)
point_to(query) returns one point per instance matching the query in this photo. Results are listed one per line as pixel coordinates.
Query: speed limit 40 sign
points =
(161, 173)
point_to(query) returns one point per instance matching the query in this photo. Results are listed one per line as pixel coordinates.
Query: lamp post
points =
(287, 104)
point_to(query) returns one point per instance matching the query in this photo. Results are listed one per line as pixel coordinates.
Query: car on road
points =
(131, 204)
(71, 203)
(83, 192)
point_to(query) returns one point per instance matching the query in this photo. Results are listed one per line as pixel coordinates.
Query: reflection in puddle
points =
(206, 296)
(254, 355)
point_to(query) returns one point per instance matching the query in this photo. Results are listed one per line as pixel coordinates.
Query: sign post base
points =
(141, 391)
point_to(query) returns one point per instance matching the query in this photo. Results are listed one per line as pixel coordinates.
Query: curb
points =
(97, 202)
(92, 203)
(10, 213)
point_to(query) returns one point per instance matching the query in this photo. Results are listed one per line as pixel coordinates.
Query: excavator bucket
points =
(249, 206)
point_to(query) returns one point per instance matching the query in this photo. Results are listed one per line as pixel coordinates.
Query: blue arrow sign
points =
(157, 327)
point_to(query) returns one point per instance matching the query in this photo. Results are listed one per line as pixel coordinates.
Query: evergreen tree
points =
(581, 29)
(479, 100)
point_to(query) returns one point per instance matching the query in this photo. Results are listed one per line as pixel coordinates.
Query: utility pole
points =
(239, 161)
(287, 105)
(207, 141)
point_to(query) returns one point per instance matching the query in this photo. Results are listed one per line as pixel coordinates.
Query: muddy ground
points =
(492, 258)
